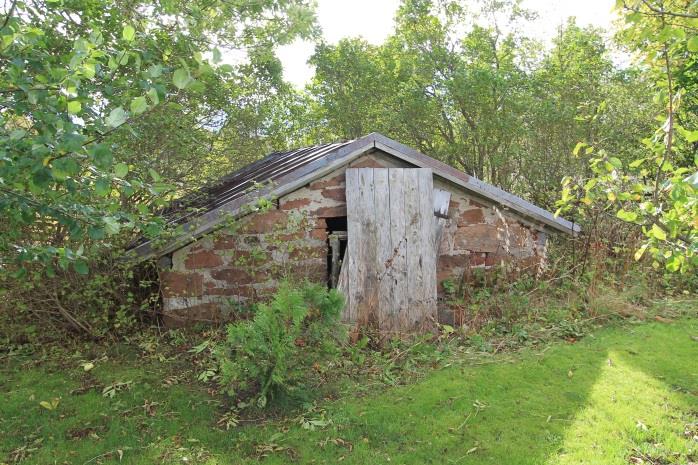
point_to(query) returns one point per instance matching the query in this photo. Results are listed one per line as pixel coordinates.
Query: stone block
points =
(319, 234)
(339, 194)
(205, 313)
(330, 212)
(235, 276)
(265, 222)
(477, 238)
(202, 259)
(225, 242)
(178, 284)
(294, 204)
(307, 253)
(338, 180)
(478, 259)
(471, 216)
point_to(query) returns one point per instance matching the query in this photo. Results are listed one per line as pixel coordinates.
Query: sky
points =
(373, 20)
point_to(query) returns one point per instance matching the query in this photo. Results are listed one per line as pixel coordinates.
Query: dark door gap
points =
(336, 248)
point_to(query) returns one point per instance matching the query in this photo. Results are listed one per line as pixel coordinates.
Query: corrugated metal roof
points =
(237, 183)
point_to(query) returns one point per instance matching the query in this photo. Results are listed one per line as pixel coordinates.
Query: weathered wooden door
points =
(391, 272)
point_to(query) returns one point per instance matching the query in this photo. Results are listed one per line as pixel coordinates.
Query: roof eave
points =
(474, 185)
(211, 220)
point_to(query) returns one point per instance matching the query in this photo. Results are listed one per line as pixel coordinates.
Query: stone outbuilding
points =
(391, 227)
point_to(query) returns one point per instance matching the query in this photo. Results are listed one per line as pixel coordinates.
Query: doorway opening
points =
(336, 248)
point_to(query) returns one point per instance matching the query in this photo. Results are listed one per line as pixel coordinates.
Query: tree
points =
(85, 84)
(578, 94)
(658, 189)
(455, 84)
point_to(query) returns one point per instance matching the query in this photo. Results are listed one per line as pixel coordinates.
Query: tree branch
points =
(9, 14)
(670, 122)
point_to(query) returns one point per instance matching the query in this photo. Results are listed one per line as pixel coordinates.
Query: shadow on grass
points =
(592, 402)
(642, 404)
(601, 400)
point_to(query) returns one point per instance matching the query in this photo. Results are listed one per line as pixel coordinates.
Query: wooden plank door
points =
(391, 259)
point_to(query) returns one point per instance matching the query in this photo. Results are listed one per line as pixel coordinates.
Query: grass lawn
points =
(626, 394)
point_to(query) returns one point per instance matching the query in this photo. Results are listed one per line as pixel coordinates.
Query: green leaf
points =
(117, 117)
(153, 96)
(673, 263)
(111, 225)
(121, 170)
(154, 174)
(64, 167)
(657, 232)
(216, 55)
(155, 70)
(626, 215)
(181, 78)
(17, 134)
(615, 162)
(88, 70)
(80, 267)
(122, 58)
(578, 147)
(101, 153)
(95, 233)
(196, 86)
(128, 33)
(20, 273)
(102, 187)
(74, 107)
(692, 44)
(640, 252)
(50, 405)
(590, 184)
(138, 105)
(41, 178)
(58, 174)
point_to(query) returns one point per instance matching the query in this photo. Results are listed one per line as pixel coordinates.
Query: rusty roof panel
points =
(236, 184)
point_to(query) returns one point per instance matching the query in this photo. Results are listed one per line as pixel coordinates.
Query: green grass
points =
(621, 395)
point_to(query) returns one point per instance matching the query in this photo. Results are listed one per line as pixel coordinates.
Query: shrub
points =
(277, 349)
(110, 299)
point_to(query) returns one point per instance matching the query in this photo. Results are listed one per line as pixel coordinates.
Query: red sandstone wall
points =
(240, 263)
(481, 235)
(246, 261)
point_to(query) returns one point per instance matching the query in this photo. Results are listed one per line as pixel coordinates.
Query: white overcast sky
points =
(373, 20)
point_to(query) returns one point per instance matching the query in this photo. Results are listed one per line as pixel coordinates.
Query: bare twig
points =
(661, 12)
(74, 322)
(9, 14)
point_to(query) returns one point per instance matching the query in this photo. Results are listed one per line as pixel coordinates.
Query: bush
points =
(112, 299)
(277, 349)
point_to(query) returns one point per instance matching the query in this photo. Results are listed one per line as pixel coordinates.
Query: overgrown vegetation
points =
(78, 183)
(274, 350)
(619, 395)
(657, 189)
(113, 300)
